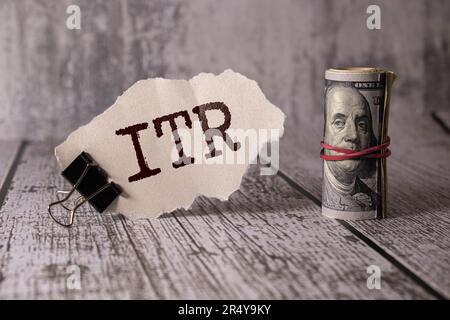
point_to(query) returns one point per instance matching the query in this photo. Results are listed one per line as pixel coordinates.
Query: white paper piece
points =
(159, 182)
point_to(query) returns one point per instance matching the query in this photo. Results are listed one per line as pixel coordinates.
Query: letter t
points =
(145, 171)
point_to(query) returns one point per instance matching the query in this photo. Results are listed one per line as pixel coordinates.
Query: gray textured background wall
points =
(53, 79)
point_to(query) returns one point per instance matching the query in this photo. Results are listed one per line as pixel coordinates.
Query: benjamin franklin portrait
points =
(348, 124)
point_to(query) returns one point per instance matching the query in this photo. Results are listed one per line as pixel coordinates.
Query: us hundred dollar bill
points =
(356, 118)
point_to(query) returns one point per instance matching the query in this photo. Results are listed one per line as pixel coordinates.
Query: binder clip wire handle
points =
(78, 203)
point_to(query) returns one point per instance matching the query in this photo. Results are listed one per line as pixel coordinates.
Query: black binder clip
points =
(91, 182)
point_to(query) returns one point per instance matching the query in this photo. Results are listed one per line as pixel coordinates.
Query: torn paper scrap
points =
(165, 142)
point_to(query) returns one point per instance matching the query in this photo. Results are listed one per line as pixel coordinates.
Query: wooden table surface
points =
(269, 241)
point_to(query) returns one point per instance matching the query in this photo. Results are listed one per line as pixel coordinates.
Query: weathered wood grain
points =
(268, 241)
(55, 79)
(8, 153)
(437, 56)
(417, 229)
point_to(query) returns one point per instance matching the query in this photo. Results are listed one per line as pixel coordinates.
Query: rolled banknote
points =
(355, 143)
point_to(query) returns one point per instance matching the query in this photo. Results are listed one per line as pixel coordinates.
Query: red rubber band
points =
(379, 152)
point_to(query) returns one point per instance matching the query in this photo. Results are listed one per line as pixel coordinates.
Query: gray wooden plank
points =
(416, 232)
(268, 241)
(69, 76)
(436, 56)
(9, 150)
